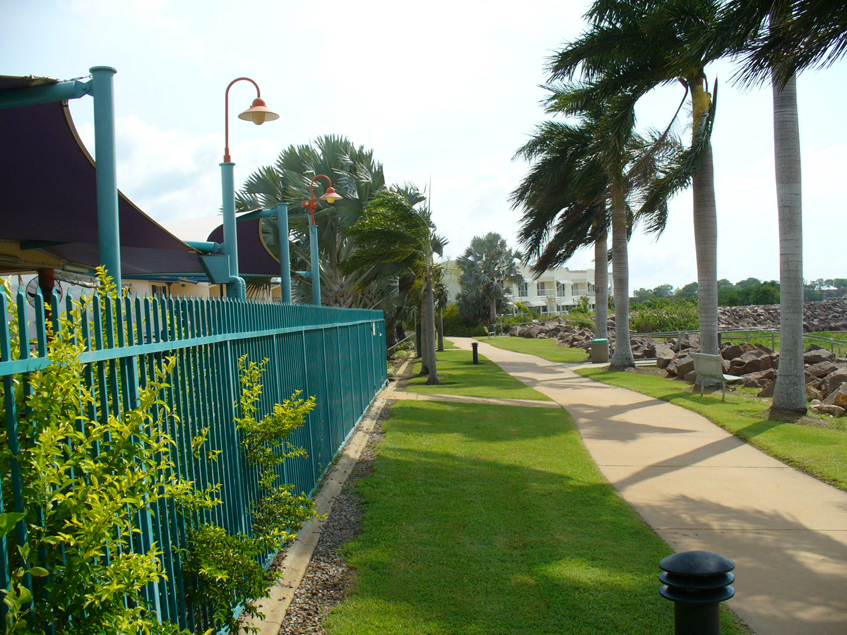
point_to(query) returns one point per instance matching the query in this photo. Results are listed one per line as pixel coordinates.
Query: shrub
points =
(84, 482)
(456, 326)
(664, 314)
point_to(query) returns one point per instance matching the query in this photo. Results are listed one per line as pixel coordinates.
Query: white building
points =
(557, 290)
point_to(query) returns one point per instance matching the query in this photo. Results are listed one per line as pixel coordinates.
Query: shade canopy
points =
(254, 258)
(48, 207)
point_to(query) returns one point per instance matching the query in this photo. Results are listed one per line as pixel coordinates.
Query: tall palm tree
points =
(632, 47)
(776, 39)
(392, 230)
(578, 188)
(487, 265)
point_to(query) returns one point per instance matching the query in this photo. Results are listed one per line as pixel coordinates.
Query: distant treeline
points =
(745, 292)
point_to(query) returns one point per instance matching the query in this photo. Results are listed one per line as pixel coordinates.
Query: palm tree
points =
(776, 40)
(358, 177)
(391, 230)
(578, 188)
(487, 265)
(631, 48)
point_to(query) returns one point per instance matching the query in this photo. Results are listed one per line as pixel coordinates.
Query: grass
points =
(460, 376)
(815, 445)
(544, 348)
(482, 520)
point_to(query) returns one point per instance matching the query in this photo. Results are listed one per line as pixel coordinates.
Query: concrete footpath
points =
(700, 488)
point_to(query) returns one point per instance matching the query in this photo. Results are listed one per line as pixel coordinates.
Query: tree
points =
(486, 266)
(578, 188)
(392, 230)
(688, 292)
(357, 176)
(631, 48)
(776, 39)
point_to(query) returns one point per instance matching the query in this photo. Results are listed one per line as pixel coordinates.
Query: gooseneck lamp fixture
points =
(330, 196)
(258, 113)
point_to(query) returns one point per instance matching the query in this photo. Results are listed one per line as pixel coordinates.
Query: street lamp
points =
(330, 196)
(258, 113)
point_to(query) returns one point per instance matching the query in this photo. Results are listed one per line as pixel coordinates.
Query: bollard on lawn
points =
(697, 582)
(475, 347)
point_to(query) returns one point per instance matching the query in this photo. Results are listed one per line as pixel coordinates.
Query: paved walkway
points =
(701, 488)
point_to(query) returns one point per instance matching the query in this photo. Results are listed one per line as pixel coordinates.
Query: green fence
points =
(337, 355)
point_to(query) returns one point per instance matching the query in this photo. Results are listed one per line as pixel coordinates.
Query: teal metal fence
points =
(337, 355)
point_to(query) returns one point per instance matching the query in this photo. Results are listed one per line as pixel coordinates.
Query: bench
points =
(490, 332)
(711, 367)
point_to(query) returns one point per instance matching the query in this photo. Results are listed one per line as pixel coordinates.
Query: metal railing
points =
(337, 355)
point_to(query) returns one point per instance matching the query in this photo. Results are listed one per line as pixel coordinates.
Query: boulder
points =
(813, 394)
(759, 379)
(767, 391)
(833, 381)
(532, 331)
(824, 409)
(684, 365)
(731, 351)
(830, 397)
(751, 362)
(664, 355)
(821, 369)
(815, 354)
(690, 376)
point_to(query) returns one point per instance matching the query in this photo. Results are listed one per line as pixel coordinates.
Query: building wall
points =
(557, 290)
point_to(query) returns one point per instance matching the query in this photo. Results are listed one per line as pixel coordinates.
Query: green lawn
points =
(482, 520)
(460, 376)
(818, 446)
(544, 348)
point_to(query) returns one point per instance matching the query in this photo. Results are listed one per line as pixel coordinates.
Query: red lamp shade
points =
(258, 113)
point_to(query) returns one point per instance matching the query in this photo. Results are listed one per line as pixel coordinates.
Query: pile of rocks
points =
(825, 315)
(826, 375)
(565, 334)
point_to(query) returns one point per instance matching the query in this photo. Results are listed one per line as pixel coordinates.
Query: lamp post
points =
(330, 196)
(258, 113)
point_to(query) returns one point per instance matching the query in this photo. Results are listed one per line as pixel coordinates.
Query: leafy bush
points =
(222, 570)
(84, 482)
(664, 314)
(457, 326)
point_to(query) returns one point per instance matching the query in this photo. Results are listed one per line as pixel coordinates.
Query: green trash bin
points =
(599, 351)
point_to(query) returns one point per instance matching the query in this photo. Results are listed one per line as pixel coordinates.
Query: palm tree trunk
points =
(492, 311)
(428, 327)
(440, 329)
(601, 288)
(705, 230)
(790, 389)
(622, 356)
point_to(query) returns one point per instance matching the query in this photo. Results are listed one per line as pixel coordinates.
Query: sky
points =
(443, 92)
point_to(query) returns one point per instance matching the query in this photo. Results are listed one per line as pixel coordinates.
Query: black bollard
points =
(475, 347)
(697, 582)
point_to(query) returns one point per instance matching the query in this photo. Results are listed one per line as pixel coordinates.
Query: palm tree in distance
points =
(487, 266)
(581, 180)
(391, 230)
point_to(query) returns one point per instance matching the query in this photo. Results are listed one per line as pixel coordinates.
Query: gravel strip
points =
(328, 579)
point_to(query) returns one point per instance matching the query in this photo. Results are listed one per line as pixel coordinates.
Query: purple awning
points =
(48, 198)
(254, 259)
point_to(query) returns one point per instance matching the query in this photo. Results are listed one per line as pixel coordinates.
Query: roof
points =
(49, 200)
